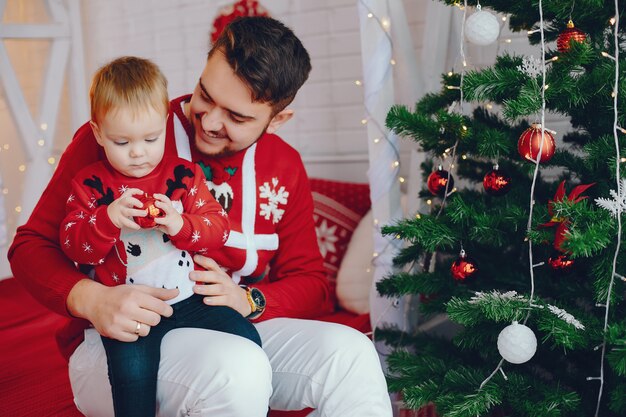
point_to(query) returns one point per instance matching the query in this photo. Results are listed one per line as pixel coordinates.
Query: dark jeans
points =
(133, 366)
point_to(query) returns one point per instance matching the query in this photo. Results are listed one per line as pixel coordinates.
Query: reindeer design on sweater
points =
(145, 256)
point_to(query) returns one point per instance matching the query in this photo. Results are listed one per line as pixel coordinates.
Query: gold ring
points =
(138, 328)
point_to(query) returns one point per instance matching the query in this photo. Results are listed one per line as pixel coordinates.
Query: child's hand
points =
(172, 222)
(122, 210)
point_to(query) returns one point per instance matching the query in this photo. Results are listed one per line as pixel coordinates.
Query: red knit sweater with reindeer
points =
(145, 256)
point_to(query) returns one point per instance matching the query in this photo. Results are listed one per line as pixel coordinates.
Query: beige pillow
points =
(356, 271)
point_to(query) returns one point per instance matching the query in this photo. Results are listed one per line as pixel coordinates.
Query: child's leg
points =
(193, 312)
(133, 369)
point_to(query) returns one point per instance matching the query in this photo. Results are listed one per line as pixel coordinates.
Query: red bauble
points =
(560, 262)
(568, 35)
(437, 182)
(463, 268)
(228, 13)
(496, 182)
(153, 212)
(530, 142)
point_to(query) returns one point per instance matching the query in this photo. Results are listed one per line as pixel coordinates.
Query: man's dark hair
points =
(267, 56)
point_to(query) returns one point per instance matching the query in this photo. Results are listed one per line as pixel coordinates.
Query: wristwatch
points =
(256, 299)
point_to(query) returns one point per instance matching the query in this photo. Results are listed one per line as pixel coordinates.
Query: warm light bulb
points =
(5, 191)
(450, 73)
(393, 62)
(385, 23)
(396, 163)
(418, 216)
(429, 202)
(504, 18)
(6, 146)
(623, 160)
(508, 41)
(463, 156)
(612, 21)
(18, 209)
(375, 254)
(375, 221)
(41, 142)
(363, 121)
(358, 82)
(51, 160)
(44, 126)
(376, 140)
(22, 168)
(401, 179)
(464, 127)
(370, 15)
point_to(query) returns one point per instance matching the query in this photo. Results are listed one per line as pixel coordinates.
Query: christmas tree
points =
(521, 242)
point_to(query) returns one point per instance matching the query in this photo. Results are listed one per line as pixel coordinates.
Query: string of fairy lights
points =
(615, 22)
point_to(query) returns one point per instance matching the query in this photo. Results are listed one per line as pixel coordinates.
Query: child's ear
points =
(96, 132)
(278, 120)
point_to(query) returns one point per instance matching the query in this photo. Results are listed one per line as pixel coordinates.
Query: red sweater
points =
(266, 192)
(144, 256)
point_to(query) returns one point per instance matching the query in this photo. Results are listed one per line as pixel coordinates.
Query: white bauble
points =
(482, 28)
(517, 343)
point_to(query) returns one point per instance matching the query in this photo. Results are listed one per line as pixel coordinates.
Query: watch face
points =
(258, 297)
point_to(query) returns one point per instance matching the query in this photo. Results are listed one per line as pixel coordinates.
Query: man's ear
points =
(278, 120)
(96, 131)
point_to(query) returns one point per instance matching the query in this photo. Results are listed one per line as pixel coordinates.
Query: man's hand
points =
(221, 289)
(115, 311)
(122, 210)
(172, 222)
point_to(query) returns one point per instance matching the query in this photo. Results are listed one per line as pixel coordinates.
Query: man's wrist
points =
(77, 300)
(256, 300)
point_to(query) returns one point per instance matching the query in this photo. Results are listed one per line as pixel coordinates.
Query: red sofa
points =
(33, 374)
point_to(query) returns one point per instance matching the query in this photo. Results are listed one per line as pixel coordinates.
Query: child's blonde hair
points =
(129, 82)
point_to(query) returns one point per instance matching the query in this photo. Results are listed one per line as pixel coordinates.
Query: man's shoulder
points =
(275, 145)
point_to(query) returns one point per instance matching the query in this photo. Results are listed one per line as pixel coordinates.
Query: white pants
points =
(303, 363)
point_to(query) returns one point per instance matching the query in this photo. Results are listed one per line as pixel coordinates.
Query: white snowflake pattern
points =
(87, 247)
(92, 219)
(195, 236)
(80, 215)
(193, 190)
(531, 66)
(565, 316)
(326, 238)
(203, 250)
(67, 242)
(274, 198)
(101, 261)
(70, 198)
(225, 236)
(207, 221)
(115, 277)
(223, 213)
(68, 225)
(123, 189)
(200, 203)
(618, 203)
(92, 203)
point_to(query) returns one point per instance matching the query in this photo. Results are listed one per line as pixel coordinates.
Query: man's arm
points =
(36, 258)
(297, 285)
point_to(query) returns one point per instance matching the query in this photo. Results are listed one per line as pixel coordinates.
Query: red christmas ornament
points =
(463, 268)
(568, 35)
(560, 262)
(228, 13)
(437, 182)
(153, 212)
(496, 182)
(530, 142)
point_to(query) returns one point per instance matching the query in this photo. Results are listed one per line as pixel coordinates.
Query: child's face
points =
(133, 140)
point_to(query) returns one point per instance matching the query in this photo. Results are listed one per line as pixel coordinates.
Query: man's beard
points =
(226, 151)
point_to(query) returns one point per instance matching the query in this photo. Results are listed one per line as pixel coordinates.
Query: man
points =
(227, 126)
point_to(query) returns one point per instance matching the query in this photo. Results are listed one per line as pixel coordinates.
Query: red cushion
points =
(337, 209)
